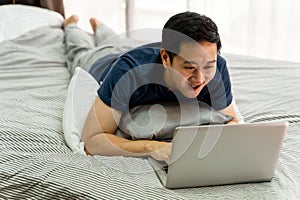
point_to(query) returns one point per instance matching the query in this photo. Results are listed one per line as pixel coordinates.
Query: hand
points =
(160, 150)
(233, 122)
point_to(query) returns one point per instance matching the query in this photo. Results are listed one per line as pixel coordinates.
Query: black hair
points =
(188, 26)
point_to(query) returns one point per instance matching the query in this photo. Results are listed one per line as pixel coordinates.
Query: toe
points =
(72, 19)
(94, 23)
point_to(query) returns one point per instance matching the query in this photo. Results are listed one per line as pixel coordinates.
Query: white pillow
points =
(19, 19)
(81, 95)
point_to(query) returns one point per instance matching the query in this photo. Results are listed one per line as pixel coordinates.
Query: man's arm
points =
(100, 139)
(229, 110)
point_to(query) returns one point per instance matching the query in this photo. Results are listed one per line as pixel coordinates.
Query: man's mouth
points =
(196, 86)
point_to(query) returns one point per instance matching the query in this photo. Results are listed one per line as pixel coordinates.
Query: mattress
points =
(36, 163)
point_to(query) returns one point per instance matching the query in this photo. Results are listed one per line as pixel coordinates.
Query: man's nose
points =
(198, 76)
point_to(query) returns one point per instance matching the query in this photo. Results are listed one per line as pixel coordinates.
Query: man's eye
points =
(189, 68)
(209, 67)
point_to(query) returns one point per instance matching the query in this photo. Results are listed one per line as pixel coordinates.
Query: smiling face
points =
(191, 69)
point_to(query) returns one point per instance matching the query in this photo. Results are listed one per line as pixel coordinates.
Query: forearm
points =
(112, 145)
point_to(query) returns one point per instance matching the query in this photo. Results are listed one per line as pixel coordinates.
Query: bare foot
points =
(94, 23)
(72, 19)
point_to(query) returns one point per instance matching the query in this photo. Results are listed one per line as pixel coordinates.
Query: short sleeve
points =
(115, 89)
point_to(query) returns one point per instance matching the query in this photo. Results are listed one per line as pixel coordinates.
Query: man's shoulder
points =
(146, 51)
(221, 60)
(139, 61)
(221, 64)
(150, 45)
(139, 56)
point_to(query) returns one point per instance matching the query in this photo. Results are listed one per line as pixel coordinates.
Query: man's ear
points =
(165, 58)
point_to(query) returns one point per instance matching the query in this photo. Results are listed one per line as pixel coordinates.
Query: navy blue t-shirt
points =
(136, 78)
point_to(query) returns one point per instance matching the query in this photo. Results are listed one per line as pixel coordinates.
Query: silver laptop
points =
(222, 154)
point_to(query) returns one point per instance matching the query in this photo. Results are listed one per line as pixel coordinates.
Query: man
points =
(185, 66)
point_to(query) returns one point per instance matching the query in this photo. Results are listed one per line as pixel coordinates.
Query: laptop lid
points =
(224, 154)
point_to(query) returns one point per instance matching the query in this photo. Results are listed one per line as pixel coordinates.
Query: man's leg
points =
(79, 45)
(84, 49)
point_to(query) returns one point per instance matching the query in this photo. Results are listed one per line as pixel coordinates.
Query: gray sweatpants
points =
(84, 49)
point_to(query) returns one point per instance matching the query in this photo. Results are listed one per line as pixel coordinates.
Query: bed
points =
(36, 163)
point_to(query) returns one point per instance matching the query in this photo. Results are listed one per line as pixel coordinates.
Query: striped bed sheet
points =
(35, 162)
